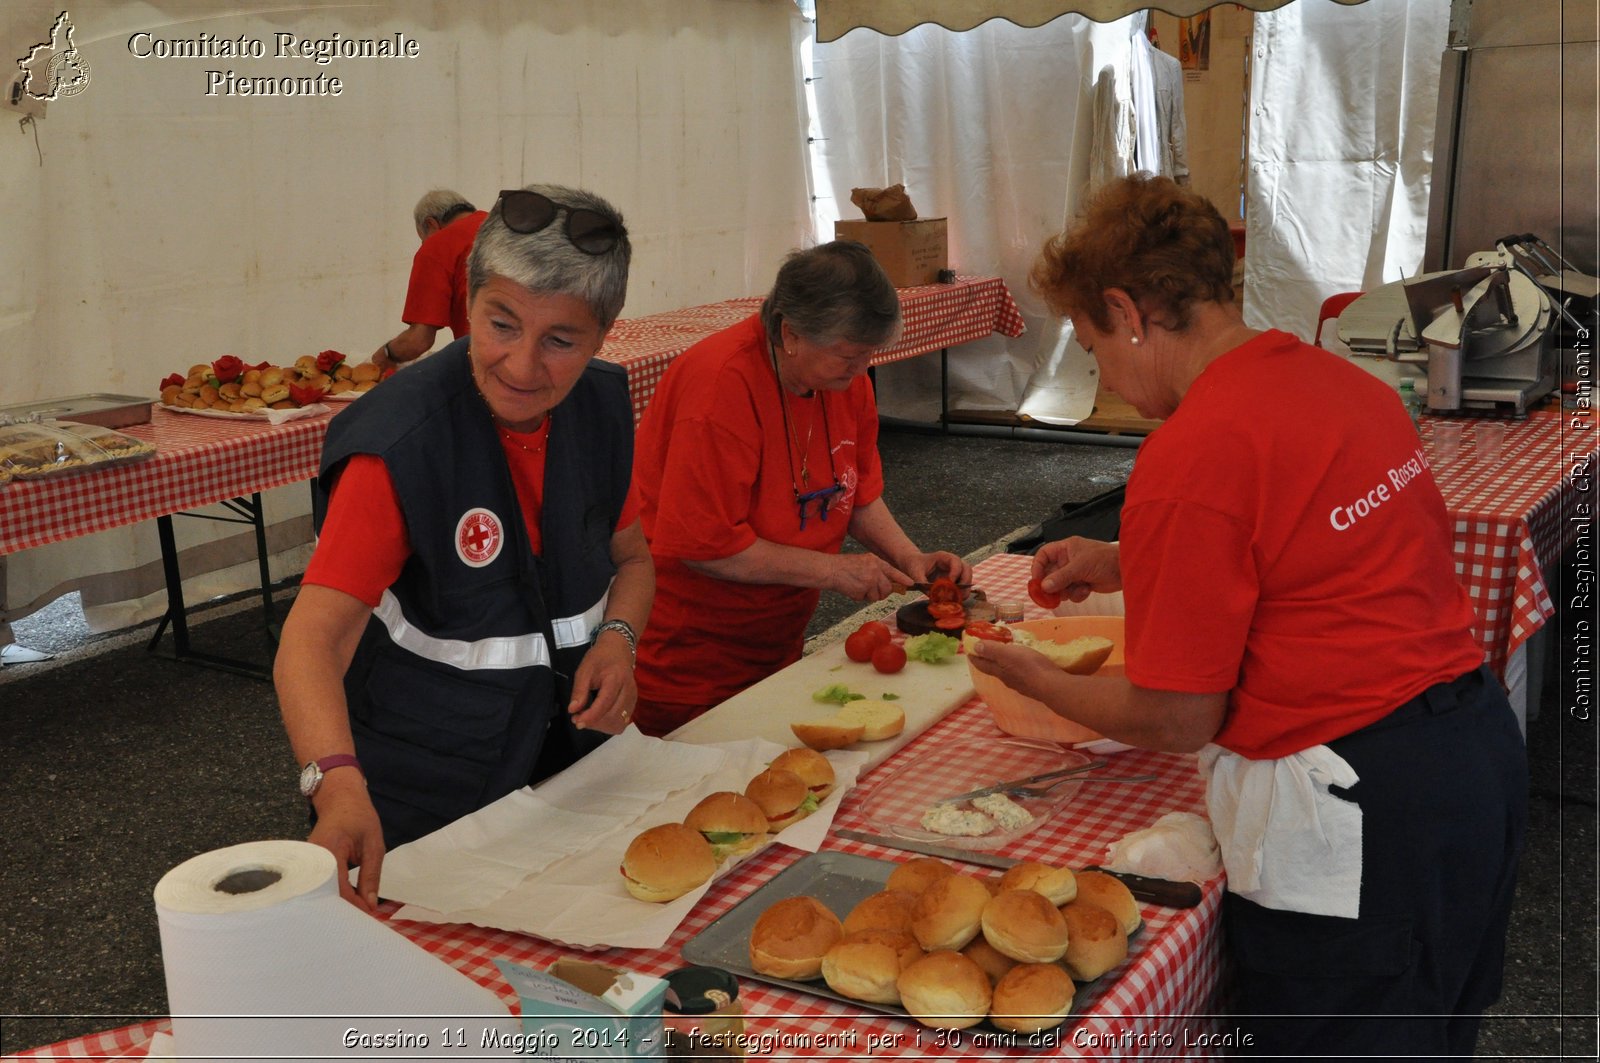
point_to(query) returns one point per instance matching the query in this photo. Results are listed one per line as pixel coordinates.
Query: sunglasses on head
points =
(588, 230)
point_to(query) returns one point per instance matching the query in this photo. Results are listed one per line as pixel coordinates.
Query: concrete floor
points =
(116, 765)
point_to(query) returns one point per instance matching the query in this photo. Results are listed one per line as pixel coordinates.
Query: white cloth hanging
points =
(1172, 130)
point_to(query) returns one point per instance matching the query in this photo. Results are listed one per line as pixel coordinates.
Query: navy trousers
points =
(1443, 795)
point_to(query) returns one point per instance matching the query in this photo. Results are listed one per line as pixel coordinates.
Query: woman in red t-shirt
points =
(1294, 616)
(756, 456)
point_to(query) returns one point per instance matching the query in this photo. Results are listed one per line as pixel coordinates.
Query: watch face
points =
(310, 776)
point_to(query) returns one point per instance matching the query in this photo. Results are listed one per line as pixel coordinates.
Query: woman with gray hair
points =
(756, 456)
(467, 623)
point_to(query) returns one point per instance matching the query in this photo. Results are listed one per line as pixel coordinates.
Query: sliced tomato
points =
(983, 629)
(888, 658)
(938, 609)
(944, 589)
(950, 623)
(1042, 597)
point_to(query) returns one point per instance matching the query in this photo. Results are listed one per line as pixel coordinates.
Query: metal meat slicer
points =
(1485, 333)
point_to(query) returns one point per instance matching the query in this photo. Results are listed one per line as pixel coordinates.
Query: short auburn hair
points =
(1164, 245)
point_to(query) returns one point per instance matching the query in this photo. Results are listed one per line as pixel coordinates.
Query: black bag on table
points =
(1099, 518)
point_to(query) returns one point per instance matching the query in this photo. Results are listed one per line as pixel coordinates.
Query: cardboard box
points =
(582, 1011)
(910, 252)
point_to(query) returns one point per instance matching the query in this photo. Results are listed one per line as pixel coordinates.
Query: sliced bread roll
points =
(1081, 656)
(863, 720)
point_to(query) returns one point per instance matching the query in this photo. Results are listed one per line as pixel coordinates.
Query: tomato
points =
(938, 609)
(993, 632)
(878, 630)
(859, 646)
(888, 658)
(944, 589)
(1042, 597)
(950, 623)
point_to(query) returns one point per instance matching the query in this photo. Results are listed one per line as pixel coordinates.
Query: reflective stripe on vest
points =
(518, 651)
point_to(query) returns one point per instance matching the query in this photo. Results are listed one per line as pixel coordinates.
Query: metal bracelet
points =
(623, 628)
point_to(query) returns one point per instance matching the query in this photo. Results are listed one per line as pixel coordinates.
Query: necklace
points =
(541, 433)
(793, 437)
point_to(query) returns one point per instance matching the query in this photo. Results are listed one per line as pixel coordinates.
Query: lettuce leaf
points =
(931, 648)
(837, 693)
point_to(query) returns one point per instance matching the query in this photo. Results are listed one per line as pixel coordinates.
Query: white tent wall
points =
(1342, 108)
(149, 225)
(993, 127)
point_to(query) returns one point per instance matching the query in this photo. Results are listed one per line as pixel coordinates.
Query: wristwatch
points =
(311, 775)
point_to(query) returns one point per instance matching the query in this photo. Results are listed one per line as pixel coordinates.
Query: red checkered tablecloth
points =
(201, 460)
(198, 461)
(935, 316)
(1511, 519)
(1153, 1006)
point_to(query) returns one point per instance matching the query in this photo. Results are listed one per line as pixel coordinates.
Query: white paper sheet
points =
(566, 887)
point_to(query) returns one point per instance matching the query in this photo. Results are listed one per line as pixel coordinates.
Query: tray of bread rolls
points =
(935, 942)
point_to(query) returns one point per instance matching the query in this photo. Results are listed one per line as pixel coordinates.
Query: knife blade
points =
(1164, 892)
(1093, 765)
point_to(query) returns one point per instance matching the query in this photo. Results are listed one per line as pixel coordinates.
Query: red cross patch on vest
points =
(479, 536)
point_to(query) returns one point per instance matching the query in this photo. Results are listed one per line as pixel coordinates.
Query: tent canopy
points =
(835, 18)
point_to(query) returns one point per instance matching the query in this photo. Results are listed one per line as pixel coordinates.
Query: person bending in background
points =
(467, 623)
(437, 295)
(1293, 614)
(757, 454)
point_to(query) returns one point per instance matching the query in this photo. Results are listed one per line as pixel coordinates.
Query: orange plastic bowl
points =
(1027, 718)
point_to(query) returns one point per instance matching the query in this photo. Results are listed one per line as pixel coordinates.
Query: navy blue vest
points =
(458, 690)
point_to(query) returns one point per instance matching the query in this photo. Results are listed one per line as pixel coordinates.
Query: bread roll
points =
(251, 389)
(904, 945)
(812, 767)
(949, 913)
(209, 395)
(1096, 941)
(231, 391)
(863, 970)
(917, 874)
(886, 910)
(199, 369)
(783, 797)
(994, 962)
(271, 377)
(1108, 892)
(340, 386)
(273, 394)
(366, 385)
(791, 937)
(1032, 997)
(170, 392)
(1056, 884)
(366, 372)
(665, 862)
(1025, 926)
(827, 733)
(731, 822)
(1081, 656)
(945, 990)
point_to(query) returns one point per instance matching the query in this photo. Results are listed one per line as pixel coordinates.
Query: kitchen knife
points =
(1160, 891)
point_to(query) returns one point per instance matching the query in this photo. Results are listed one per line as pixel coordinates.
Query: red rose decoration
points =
(305, 394)
(328, 361)
(259, 366)
(228, 368)
(175, 380)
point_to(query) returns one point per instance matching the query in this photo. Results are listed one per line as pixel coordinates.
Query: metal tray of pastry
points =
(37, 449)
(109, 411)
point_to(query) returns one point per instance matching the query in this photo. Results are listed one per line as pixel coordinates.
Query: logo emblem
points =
(54, 69)
(479, 536)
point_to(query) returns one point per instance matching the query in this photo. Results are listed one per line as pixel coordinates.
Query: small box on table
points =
(582, 1011)
(910, 252)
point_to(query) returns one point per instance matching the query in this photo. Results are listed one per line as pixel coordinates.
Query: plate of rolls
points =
(926, 940)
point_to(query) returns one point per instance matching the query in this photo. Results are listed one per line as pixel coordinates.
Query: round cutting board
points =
(914, 619)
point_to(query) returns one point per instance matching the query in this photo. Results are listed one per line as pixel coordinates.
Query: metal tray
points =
(108, 411)
(840, 881)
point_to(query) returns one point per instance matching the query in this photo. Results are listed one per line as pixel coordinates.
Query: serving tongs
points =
(1028, 787)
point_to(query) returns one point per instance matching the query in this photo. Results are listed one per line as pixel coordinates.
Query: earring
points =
(1135, 340)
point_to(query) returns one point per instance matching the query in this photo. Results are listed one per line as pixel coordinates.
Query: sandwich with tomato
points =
(784, 797)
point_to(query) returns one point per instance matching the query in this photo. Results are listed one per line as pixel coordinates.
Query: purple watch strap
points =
(338, 760)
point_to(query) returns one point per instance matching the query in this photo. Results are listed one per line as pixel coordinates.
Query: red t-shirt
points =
(437, 294)
(716, 470)
(363, 543)
(1283, 539)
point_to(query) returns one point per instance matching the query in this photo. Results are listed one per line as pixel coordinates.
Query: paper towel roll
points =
(263, 959)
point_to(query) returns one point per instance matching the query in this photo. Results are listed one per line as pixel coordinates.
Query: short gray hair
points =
(436, 205)
(832, 292)
(548, 263)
